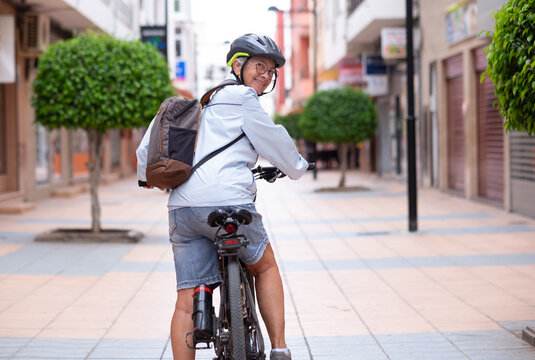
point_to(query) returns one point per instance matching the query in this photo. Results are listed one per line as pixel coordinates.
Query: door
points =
(8, 139)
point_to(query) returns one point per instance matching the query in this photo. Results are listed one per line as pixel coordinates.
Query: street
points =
(357, 284)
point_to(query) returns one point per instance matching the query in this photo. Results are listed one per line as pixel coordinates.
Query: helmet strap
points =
(273, 87)
(243, 69)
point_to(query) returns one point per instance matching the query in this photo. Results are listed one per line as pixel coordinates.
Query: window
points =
(177, 5)
(305, 66)
(41, 155)
(178, 48)
(80, 152)
(178, 42)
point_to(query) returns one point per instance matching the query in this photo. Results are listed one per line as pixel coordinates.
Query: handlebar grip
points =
(311, 165)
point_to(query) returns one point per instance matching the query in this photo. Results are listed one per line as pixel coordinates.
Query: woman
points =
(226, 181)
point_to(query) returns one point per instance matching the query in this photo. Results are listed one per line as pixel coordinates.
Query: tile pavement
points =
(358, 284)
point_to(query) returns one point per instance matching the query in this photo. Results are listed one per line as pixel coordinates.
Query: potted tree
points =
(340, 116)
(95, 82)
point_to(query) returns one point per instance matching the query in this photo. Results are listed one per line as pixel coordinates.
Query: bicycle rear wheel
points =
(237, 331)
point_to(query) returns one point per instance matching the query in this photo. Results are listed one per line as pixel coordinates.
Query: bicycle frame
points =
(236, 330)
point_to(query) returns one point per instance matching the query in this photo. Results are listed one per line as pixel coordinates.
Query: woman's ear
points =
(236, 66)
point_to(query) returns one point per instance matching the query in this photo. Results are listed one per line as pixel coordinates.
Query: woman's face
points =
(258, 72)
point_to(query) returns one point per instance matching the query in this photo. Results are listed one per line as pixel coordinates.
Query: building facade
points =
(181, 50)
(35, 162)
(381, 75)
(461, 143)
(465, 147)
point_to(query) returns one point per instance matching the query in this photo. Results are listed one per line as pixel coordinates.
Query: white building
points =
(181, 50)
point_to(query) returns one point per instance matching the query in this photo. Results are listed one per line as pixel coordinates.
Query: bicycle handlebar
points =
(271, 173)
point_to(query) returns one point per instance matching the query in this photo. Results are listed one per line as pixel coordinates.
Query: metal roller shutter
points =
(490, 136)
(522, 173)
(454, 85)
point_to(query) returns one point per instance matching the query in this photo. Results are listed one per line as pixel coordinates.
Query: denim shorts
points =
(195, 255)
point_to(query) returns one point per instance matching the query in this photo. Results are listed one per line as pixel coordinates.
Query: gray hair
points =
(241, 59)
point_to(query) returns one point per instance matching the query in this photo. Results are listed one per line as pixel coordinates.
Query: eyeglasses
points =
(261, 68)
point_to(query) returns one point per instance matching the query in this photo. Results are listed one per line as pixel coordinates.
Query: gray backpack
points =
(173, 139)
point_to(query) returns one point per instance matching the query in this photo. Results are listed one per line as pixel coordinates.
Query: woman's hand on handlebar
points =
(268, 173)
(271, 173)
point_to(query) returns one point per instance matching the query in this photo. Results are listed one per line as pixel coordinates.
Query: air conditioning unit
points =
(36, 32)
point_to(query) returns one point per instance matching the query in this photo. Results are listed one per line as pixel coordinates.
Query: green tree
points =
(341, 116)
(511, 64)
(291, 123)
(96, 82)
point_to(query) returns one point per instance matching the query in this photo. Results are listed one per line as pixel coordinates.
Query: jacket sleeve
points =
(142, 154)
(271, 141)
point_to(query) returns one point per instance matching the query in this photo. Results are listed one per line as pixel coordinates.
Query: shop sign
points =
(350, 71)
(376, 85)
(376, 75)
(461, 21)
(375, 65)
(156, 36)
(7, 49)
(180, 72)
(393, 43)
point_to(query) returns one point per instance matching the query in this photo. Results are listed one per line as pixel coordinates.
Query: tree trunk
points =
(342, 158)
(94, 165)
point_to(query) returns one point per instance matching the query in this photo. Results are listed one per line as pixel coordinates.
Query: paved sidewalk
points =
(358, 284)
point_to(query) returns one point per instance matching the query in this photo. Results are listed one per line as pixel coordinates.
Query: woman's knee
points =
(266, 263)
(184, 301)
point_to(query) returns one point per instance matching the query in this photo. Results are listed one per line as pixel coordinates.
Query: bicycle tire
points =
(237, 331)
(254, 341)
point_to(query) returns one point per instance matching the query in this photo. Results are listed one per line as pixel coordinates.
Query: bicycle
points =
(235, 332)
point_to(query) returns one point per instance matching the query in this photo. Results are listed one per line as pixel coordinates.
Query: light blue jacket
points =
(226, 179)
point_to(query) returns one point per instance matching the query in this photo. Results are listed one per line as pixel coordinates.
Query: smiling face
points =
(258, 72)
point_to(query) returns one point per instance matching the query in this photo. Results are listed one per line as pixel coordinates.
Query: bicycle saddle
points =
(242, 216)
(219, 217)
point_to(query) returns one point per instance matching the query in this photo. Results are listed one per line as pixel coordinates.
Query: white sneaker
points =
(280, 355)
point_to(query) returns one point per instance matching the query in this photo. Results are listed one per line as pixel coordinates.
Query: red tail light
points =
(231, 242)
(230, 228)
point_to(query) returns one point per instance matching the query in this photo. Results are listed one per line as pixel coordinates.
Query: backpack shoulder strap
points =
(206, 97)
(204, 100)
(215, 152)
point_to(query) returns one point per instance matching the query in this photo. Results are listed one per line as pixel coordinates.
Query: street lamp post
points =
(411, 126)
